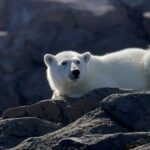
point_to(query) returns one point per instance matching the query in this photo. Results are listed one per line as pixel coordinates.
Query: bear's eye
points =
(64, 63)
(78, 62)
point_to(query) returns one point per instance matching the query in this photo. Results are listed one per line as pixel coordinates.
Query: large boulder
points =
(130, 109)
(99, 142)
(95, 122)
(107, 118)
(13, 131)
(15, 14)
(64, 110)
(95, 130)
(143, 147)
(138, 6)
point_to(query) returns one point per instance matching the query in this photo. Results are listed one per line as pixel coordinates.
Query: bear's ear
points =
(86, 56)
(48, 58)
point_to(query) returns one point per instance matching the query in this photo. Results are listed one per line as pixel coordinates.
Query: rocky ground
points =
(104, 119)
(31, 28)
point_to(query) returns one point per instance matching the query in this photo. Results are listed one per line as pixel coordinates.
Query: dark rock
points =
(13, 131)
(13, 101)
(146, 23)
(132, 110)
(31, 79)
(107, 118)
(94, 124)
(105, 142)
(143, 147)
(63, 110)
(80, 135)
(140, 5)
(14, 14)
(47, 110)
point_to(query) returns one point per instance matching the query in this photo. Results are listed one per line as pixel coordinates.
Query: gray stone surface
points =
(119, 141)
(13, 131)
(139, 5)
(63, 110)
(132, 110)
(104, 119)
(96, 123)
(143, 147)
(87, 141)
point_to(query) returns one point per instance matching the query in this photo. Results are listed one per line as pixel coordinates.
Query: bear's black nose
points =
(76, 73)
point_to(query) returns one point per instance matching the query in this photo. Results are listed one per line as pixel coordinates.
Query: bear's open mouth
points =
(73, 77)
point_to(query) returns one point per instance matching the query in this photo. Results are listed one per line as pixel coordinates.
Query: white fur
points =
(129, 68)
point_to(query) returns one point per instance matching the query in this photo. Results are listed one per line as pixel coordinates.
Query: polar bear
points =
(73, 74)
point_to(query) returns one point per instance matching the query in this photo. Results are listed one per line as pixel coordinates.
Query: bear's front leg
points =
(57, 95)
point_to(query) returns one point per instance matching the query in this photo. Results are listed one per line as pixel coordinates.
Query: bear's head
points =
(67, 67)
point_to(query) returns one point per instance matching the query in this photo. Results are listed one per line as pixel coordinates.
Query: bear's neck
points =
(74, 90)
